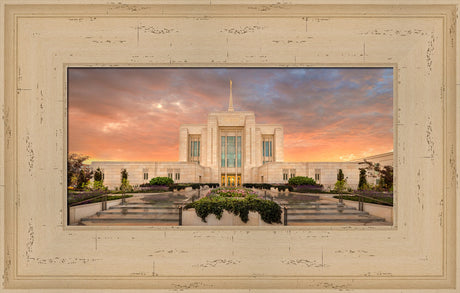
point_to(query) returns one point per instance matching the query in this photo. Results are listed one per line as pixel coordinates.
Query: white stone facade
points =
(231, 149)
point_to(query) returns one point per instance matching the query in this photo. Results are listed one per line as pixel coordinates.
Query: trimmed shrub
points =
(301, 180)
(269, 211)
(281, 187)
(284, 187)
(257, 185)
(161, 181)
(180, 186)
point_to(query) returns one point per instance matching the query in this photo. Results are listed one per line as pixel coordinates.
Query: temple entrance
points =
(231, 181)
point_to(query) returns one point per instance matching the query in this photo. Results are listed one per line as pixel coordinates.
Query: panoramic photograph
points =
(230, 146)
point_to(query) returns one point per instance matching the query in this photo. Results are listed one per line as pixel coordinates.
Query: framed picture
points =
(300, 146)
(39, 249)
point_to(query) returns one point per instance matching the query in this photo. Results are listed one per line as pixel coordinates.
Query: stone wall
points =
(189, 172)
(273, 172)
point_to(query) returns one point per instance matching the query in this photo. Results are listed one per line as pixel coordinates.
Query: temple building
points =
(232, 149)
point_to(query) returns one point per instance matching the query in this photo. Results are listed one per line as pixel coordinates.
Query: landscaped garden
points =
(82, 190)
(239, 201)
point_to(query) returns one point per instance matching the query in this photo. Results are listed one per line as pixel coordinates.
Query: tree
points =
(75, 167)
(124, 174)
(371, 169)
(98, 175)
(340, 186)
(340, 175)
(384, 174)
(386, 177)
(125, 186)
(98, 183)
(362, 179)
(84, 176)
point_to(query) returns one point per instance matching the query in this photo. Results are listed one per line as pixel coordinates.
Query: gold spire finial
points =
(230, 103)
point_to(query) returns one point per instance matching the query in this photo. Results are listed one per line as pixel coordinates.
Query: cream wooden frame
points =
(418, 251)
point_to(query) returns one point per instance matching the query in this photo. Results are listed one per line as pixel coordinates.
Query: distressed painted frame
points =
(418, 251)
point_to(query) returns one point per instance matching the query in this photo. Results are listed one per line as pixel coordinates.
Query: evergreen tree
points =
(362, 178)
(124, 175)
(340, 175)
(98, 175)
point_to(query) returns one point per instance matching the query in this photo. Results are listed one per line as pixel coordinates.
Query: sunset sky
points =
(328, 114)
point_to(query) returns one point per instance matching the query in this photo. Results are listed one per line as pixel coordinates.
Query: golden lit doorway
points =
(232, 180)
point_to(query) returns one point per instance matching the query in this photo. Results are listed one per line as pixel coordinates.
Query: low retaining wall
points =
(377, 210)
(189, 218)
(76, 213)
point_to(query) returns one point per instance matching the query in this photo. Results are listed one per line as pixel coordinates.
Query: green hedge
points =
(269, 211)
(301, 180)
(280, 187)
(257, 185)
(161, 181)
(180, 186)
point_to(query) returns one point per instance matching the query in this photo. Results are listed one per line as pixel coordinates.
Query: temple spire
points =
(230, 103)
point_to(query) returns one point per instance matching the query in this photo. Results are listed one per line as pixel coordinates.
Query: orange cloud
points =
(134, 114)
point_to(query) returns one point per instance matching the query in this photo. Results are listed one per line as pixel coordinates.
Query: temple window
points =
(267, 149)
(230, 150)
(285, 174)
(317, 175)
(194, 149)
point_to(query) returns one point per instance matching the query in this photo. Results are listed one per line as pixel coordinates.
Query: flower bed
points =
(239, 201)
(230, 192)
(309, 189)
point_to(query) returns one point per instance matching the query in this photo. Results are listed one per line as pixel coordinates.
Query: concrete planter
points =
(76, 213)
(189, 218)
(377, 210)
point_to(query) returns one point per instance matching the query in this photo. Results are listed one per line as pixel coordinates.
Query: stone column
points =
(212, 147)
(279, 145)
(183, 144)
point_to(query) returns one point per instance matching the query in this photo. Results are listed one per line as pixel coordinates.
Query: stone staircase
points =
(319, 212)
(132, 214)
(329, 213)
